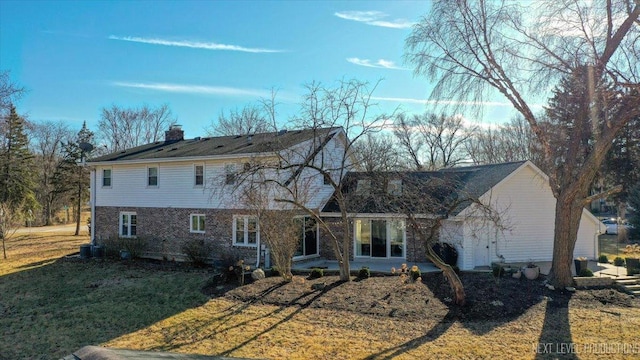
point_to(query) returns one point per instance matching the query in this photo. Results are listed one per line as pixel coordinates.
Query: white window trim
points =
(388, 245)
(245, 235)
(110, 177)
(195, 176)
(299, 257)
(157, 176)
(198, 231)
(129, 213)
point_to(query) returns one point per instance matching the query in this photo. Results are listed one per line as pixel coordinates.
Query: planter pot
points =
(531, 273)
(580, 265)
(633, 265)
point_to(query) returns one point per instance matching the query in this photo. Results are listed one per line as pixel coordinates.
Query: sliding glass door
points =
(379, 238)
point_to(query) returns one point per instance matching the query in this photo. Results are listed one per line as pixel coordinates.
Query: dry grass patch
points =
(50, 307)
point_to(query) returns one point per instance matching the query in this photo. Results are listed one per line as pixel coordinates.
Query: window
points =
(199, 175)
(230, 174)
(106, 177)
(197, 223)
(394, 187)
(245, 231)
(307, 236)
(128, 224)
(379, 238)
(363, 187)
(152, 176)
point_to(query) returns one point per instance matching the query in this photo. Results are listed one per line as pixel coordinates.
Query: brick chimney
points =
(175, 133)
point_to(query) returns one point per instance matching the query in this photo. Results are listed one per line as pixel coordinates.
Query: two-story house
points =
(179, 189)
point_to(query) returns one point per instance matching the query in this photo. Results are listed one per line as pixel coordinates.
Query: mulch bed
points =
(388, 296)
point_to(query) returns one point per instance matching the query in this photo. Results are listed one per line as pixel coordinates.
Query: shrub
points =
(412, 274)
(135, 246)
(274, 271)
(316, 273)
(603, 259)
(415, 274)
(618, 261)
(364, 273)
(197, 251)
(586, 273)
(497, 270)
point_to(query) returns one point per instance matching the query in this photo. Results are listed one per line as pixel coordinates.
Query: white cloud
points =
(382, 63)
(192, 44)
(374, 18)
(193, 89)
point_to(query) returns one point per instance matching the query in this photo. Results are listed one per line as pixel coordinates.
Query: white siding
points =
(528, 209)
(176, 184)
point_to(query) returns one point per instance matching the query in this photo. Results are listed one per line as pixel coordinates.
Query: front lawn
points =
(51, 306)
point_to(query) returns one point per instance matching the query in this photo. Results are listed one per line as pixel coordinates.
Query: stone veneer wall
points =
(166, 230)
(415, 248)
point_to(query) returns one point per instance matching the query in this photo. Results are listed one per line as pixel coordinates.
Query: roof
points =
(442, 188)
(216, 146)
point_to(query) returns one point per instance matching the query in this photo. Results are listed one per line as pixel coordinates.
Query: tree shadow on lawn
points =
(491, 304)
(52, 310)
(239, 308)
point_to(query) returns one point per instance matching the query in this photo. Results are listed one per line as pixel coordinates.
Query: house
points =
(517, 192)
(171, 191)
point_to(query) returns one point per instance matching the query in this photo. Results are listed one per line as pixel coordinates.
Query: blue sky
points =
(201, 57)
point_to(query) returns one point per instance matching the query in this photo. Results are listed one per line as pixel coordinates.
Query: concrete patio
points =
(374, 265)
(598, 269)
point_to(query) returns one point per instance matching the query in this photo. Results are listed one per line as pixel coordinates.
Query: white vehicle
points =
(611, 226)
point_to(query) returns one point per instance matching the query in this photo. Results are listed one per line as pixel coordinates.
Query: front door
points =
(481, 252)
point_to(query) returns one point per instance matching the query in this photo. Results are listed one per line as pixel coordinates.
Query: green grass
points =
(51, 307)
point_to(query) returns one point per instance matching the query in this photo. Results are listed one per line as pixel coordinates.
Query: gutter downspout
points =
(93, 206)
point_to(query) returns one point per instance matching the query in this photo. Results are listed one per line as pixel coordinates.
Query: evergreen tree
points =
(71, 177)
(16, 180)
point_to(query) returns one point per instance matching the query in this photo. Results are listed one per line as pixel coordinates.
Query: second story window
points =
(230, 174)
(199, 175)
(394, 187)
(106, 177)
(152, 176)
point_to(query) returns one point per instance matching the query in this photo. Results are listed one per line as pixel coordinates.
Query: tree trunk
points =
(343, 261)
(79, 207)
(568, 214)
(450, 274)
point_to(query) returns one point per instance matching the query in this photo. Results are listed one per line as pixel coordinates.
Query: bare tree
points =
(377, 152)
(251, 119)
(279, 228)
(512, 141)
(521, 50)
(432, 142)
(9, 91)
(333, 119)
(10, 220)
(124, 128)
(47, 139)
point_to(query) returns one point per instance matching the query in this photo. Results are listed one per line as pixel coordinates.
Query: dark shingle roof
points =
(216, 146)
(443, 186)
